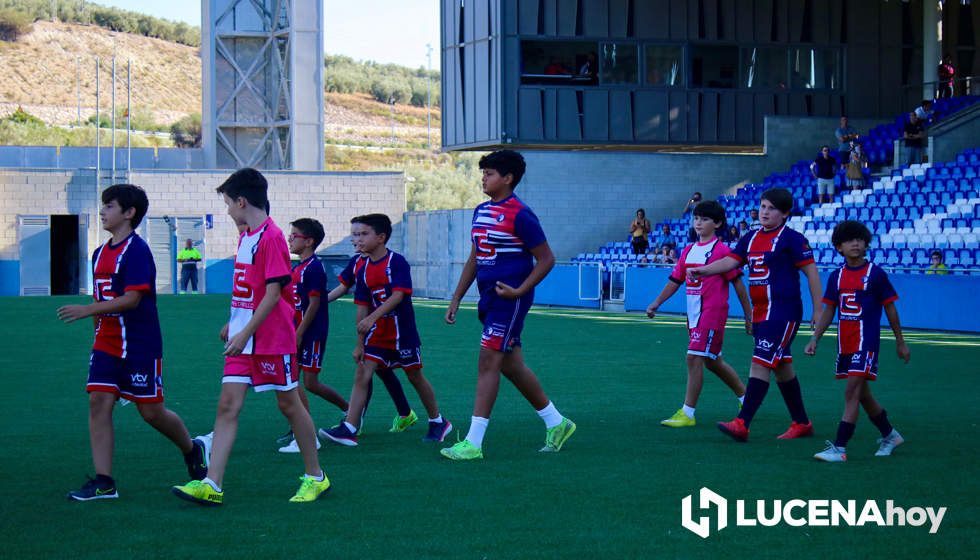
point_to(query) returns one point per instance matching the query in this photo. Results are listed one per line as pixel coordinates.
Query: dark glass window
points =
(714, 66)
(815, 68)
(763, 68)
(664, 65)
(619, 63)
(558, 62)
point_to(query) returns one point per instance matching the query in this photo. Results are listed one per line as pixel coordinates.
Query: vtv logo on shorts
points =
(706, 497)
(139, 379)
(813, 513)
(268, 368)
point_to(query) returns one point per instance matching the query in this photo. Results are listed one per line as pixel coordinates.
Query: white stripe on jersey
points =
(697, 255)
(240, 316)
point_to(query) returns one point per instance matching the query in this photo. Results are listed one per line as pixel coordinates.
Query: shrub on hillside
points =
(186, 133)
(20, 116)
(13, 24)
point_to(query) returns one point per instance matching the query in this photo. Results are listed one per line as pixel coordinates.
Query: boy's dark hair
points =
(249, 184)
(505, 162)
(128, 196)
(713, 211)
(849, 230)
(782, 199)
(936, 253)
(641, 211)
(310, 228)
(380, 223)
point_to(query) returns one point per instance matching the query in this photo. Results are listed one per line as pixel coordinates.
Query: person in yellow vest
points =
(188, 257)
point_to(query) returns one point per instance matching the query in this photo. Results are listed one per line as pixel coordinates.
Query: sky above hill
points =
(394, 31)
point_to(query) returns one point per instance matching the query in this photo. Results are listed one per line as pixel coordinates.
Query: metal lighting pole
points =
(129, 116)
(98, 136)
(428, 96)
(78, 90)
(113, 135)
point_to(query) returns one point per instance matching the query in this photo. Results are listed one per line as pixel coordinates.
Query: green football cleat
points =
(462, 451)
(557, 436)
(402, 423)
(310, 489)
(199, 492)
(679, 420)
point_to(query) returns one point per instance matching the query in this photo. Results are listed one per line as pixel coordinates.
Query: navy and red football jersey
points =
(503, 234)
(374, 282)
(309, 279)
(117, 269)
(774, 258)
(859, 294)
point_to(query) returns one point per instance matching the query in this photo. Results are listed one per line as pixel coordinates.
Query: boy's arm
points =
(308, 317)
(466, 279)
(364, 323)
(813, 279)
(129, 300)
(743, 298)
(544, 261)
(900, 346)
(669, 289)
(730, 262)
(235, 345)
(337, 292)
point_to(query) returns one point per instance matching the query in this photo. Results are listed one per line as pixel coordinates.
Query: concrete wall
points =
(332, 198)
(950, 138)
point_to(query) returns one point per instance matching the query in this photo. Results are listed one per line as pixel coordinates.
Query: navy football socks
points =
(755, 393)
(881, 422)
(845, 430)
(794, 400)
(394, 387)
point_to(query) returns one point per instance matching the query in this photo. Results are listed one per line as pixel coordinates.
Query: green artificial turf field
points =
(614, 491)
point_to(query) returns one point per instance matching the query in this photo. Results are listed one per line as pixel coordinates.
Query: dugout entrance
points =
(53, 254)
(166, 235)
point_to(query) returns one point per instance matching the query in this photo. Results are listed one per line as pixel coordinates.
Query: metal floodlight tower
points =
(262, 66)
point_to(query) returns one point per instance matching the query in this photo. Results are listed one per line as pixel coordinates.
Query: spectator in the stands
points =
(936, 264)
(639, 229)
(924, 111)
(845, 133)
(732, 237)
(914, 135)
(855, 167)
(945, 72)
(665, 239)
(695, 199)
(743, 228)
(754, 223)
(823, 170)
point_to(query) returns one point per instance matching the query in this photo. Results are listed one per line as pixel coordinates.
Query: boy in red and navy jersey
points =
(775, 256)
(127, 357)
(859, 291)
(311, 319)
(260, 341)
(387, 336)
(509, 256)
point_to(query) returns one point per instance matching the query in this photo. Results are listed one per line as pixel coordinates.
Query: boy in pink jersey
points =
(260, 348)
(707, 310)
